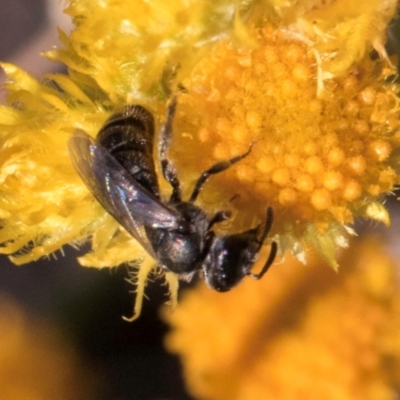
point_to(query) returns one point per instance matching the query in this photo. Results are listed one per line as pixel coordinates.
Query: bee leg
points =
(215, 169)
(274, 247)
(269, 219)
(168, 170)
(271, 258)
(208, 243)
(219, 217)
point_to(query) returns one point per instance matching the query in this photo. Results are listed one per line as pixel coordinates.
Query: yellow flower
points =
(318, 161)
(293, 77)
(304, 332)
(35, 363)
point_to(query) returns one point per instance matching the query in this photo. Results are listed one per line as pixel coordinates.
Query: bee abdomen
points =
(131, 128)
(128, 135)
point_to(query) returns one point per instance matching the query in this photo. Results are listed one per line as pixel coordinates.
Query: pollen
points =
(335, 156)
(253, 120)
(304, 183)
(245, 173)
(240, 133)
(221, 151)
(224, 127)
(287, 197)
(352, 190)
(313, 165)
(265, 165)
(321, 199)
(332, 180)
(368, 96)
(292, 160)
(357, 165)
(380, 149)
(281, 177)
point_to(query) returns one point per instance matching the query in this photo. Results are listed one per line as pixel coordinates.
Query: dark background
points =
(86, 304)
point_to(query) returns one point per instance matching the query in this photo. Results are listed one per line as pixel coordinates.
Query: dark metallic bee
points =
(118, 168)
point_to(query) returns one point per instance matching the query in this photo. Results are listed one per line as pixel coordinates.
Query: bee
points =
(118, 168)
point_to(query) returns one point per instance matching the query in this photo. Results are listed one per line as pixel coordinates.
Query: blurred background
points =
(77, 311)
(123, 360)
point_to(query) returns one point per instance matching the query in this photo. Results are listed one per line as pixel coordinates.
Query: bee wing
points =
(119, 194)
